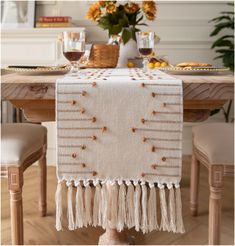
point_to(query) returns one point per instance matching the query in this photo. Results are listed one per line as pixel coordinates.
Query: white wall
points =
(182, 25)
(184, 29)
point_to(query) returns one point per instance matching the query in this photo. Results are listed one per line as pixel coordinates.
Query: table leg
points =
(112, 236)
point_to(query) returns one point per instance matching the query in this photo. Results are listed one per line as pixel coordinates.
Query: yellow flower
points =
(149, 8)
(111, 7)
(102, 3)
(150, 16)
(94, 12)
(131, 8)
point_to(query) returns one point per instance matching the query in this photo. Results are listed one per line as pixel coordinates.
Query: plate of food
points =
(193, 68)
(60, 69)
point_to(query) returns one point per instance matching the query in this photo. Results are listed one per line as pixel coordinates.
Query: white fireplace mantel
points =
(33, 46)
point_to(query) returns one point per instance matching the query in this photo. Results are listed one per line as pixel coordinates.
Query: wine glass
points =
(73, 49)
(145, 43)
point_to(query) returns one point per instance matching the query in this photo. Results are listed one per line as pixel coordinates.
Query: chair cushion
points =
(215, 141)
(19, 141)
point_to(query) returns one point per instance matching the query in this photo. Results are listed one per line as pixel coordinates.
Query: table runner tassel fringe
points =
(144, 225)
(121, 220)
(79, 207)
(179, 217)
(104, 205)
(59, 214)
(137, 207)
(130, 218)
(124, 204)
(152, 209)
(97, 214)
(70, 216)
(113, 208)
(88, 205)
(164, 226)
(171, 209)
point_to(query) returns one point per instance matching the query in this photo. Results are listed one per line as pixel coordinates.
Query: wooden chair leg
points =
(194, 183)
(43, 186)
(216, 183)
(15, 184)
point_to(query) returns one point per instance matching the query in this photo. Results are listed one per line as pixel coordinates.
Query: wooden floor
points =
(39, 230)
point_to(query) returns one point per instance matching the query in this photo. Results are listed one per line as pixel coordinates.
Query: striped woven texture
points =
(119, 141)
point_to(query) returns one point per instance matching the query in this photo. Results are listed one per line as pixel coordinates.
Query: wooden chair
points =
(213, 147)
(22, 145)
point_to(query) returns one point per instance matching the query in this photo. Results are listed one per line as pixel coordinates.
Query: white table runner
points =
(119, 140)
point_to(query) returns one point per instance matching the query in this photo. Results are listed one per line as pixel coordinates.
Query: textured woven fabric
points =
(215, 141)
(121, 126)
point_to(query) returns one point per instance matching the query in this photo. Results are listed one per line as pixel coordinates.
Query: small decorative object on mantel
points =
(17, 14)
(122, 20)
(54, 21)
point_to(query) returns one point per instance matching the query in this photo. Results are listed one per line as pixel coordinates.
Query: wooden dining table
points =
(35, 94)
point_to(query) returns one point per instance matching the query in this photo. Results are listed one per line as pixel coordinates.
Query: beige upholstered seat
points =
(213, 147)
(19, 141)
(21, 146)
(215, 141)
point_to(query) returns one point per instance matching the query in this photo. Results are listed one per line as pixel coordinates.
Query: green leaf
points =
(125, 18)
(226, 42)
(227, 12)
(226, 37)
(142, 24)
(226, 24)
(223, 51)
(104, 22)
(223, 43)
(140, 19)
(217, 19)
(215, 111)
(132, 19)
(227, 57)
(115, 29)
(123, 22)
(221, 26)
(133, 31)
(228, 60)
(120, 7)
(126, 36)
(218, 57)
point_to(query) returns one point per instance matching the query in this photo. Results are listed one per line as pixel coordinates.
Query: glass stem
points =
(74, 68)
(145, 64)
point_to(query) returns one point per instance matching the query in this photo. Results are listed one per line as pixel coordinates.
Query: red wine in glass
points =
(145, 51)
(145, 42)
(73, 49)
(73, 55)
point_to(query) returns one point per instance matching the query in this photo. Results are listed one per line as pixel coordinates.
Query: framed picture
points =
(17, 14)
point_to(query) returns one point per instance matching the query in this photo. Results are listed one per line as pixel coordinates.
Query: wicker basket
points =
(103, 56)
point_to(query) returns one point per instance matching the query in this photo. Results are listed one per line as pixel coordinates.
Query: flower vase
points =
(126, 51)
